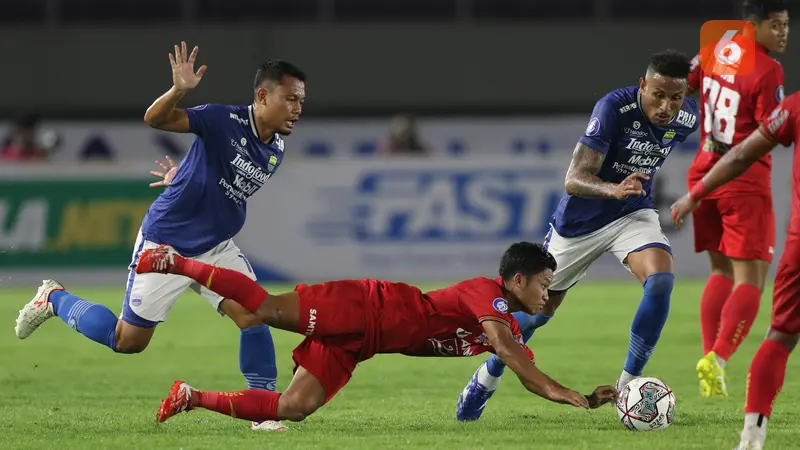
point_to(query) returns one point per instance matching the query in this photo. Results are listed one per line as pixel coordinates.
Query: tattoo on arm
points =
(581, 180)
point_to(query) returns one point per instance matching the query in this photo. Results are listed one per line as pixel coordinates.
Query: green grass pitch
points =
(60, 390)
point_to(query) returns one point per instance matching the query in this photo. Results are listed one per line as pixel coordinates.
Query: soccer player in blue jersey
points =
(237, 149)
(608, 208)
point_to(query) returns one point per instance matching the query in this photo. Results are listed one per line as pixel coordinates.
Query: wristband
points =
(699, 192)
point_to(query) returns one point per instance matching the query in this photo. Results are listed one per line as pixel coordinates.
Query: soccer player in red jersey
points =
(346, 322)
(736, 225)
(768, 368)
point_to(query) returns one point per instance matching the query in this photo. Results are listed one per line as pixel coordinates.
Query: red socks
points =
(738, 315)
(765, 379)
(717, 290)
(252, 404)
(225, 282)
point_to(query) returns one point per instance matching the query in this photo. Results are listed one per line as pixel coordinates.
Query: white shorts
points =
(637, 231)
(150, 296)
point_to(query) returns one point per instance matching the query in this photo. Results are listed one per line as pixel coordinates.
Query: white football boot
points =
(38, 310)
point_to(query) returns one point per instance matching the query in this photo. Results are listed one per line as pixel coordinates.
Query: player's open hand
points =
(184, 76)
(167, 175)
(602, 395)
(571, 397)
(630, 186)
(682, 208)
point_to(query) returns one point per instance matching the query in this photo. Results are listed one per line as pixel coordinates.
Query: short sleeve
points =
(696, 73)
(770, 92)
(781, 123)
(201, 117)
(485, 302)
(602, 127)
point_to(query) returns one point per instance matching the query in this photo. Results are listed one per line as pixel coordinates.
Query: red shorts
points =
(786, 294)
(333, 317)
(741, 227)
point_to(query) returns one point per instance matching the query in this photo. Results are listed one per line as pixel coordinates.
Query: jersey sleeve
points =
(781, 124)
(769, 93)
(603, 124)
(696, 74)
(201, 117)
(485, 303)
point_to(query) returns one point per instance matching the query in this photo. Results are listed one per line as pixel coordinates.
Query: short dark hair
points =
(274, 71)
(761, 9)
(527, 258)
(670, 63)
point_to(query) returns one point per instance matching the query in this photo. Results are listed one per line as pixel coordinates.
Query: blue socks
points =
(527, 324)
(92, 320)
(257, 358)
(649, 321)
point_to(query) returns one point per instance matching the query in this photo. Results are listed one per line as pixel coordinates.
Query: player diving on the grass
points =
(237, 149)
(608, 208)
(346, 322)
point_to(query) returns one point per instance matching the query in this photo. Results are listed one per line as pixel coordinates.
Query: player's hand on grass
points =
(602, 395)
(630, 186)
(184, 76)
(571, 397)
(167, 175)
(682, 208)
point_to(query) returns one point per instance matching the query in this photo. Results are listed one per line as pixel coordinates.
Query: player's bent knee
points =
(132, 339)
(243, 318)
(296, 408)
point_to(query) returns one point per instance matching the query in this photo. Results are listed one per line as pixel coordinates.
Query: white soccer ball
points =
(646, 404)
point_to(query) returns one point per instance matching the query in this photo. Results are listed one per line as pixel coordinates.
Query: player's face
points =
(283, 104)
(773, 33)
(662, 97)
(531, 292)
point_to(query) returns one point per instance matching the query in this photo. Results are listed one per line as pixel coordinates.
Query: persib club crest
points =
(272, 162)
(668, 137)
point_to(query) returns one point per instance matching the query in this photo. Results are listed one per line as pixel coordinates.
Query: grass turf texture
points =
(60, 390)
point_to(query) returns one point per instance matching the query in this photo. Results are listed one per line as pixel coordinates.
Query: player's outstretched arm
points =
(730, 166)
(536, 381)
(582, 179)
(163, 114)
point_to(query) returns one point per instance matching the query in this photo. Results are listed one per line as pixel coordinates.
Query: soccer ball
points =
(646, 404)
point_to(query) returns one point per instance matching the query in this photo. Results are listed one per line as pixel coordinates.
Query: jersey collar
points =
(253, 128)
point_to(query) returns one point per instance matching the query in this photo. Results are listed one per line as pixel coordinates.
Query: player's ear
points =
(642, 83)
(261, 95)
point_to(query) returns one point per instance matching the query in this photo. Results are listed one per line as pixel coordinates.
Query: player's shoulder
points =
(475, 283)
(690, 106)
(231, 111)
(792, 103)
(622, 99)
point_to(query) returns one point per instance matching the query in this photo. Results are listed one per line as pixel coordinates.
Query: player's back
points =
(733, 106)
(227, 163)
(443, 322)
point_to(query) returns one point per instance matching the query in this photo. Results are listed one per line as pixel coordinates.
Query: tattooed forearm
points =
(581, 180)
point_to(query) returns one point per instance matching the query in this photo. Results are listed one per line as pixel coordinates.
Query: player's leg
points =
(320, 373)
(144, 294)
(768, 367)
(644, 249)
(277, 311)
(256, 348)
(748, 241)
(573, 256)
(707, 224)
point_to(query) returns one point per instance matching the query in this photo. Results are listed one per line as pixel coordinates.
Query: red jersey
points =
(732, 108)
(446, 322)
(784, 126)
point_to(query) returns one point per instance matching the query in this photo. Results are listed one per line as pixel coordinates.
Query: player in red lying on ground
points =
(346, 322)
(768, 368)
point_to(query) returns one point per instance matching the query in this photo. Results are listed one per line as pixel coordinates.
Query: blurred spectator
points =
(23, 145)
(404, 137)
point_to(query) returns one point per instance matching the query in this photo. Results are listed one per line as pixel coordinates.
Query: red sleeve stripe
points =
(482, 319)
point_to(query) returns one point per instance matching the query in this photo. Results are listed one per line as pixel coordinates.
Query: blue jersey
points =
(619, 129)
(206, 202)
